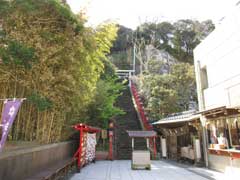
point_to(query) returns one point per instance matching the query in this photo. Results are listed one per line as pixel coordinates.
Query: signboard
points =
(104, 134)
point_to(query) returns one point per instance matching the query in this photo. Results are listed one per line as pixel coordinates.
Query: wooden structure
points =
(81, 152)
(222, 111)
(182, 133)
(225, 121)
(142, 159)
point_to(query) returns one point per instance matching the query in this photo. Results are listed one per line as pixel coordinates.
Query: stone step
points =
(128, 121)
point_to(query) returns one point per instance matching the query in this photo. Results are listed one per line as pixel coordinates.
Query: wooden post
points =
(80, 149)
(132, 143)
(110, 152)
(147, 143)
(154, 147)
(111, 129)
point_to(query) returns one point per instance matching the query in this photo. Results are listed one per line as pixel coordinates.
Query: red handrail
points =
(143, 116)
(140, 108)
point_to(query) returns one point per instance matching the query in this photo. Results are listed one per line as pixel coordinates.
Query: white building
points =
(217, 65)
(219, 59)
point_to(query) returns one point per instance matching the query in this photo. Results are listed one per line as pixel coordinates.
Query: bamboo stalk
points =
(12, 93)
(50, 128)
(59, 128)
(1, 119)
(19, 117)
(17, 125)
(44, 122)
(38, 122)
(27, 123)
(32, 128)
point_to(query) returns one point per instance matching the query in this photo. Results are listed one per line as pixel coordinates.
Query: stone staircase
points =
(128, 121)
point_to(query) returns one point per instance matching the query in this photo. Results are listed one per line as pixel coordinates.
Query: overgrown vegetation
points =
(102, 109)
(49, 56)
(171, 92)
(164, 54)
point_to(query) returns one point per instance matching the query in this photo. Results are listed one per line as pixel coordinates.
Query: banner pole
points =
(13, 99)
(1, 125)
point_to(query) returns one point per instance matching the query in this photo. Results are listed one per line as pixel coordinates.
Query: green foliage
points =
(18, 54)
(63, 62)
(42, 103)
(156, 34)
(121, 52)
(102, 108)
(169, 93)
(120, 60)
(184, 78)
(109, 70)
(154, 67)
(4, 6)
(108, 89)
(124, 39)
(165, 55)
(178, 39)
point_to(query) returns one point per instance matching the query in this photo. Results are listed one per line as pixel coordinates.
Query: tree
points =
(50, 57)
(169, 93)
(163, 96)
(121, 52)
(184, 82)
(124, 39)
(165, 52)
(178, 38)
(102, 107)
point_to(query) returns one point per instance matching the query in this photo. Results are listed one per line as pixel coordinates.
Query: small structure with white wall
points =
(181, 136)
(141, 158)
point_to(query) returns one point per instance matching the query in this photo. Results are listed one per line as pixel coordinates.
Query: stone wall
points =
(23, 163)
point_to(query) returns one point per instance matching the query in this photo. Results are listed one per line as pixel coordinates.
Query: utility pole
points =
(201, 108)
(134, 58)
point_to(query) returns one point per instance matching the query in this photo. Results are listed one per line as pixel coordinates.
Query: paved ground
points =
(161, 170)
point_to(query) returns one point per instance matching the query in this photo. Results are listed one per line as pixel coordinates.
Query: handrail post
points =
(129, 78)
(80, 150)
(110, 151)
(148, 143)
(133, 143)
(154, 147)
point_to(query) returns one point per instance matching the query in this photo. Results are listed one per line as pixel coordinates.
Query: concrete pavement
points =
(161, 170)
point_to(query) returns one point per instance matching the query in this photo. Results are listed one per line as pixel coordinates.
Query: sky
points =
(132, 13)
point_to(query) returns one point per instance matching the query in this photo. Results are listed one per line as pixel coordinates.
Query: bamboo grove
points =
(50, 57)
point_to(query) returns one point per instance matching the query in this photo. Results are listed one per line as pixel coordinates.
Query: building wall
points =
(217, 67)
(219, 55)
